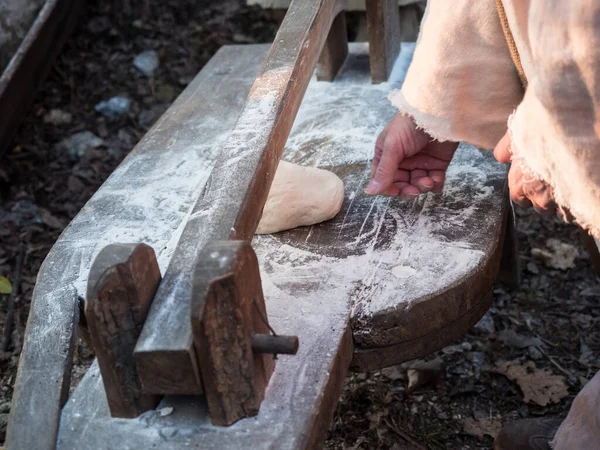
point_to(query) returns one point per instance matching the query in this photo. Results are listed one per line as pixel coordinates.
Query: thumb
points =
(502, 151)
(387, 167)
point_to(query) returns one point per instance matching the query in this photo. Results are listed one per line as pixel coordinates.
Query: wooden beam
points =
(121, 285)
(227, 309)
(231, 205)
(44, 373)
(383, 24)
(335, 50)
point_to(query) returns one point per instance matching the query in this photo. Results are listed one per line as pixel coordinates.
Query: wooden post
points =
(122, 283)
(335, 50)
(510, 267)
(383, 24)
(227, 309)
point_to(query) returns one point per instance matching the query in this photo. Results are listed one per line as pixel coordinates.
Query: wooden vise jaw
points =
(233, 344)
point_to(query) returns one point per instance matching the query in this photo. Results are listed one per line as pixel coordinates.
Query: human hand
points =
(408, 162)
(525, 191)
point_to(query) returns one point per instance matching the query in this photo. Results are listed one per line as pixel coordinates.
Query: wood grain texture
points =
(335, 50)
(32, 61)
(44, 373)
(121, 287)
(235, 194)
(227, 308)
(383, 24)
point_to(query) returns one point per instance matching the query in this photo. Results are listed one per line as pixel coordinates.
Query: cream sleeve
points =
(556, 129)
(461, 84)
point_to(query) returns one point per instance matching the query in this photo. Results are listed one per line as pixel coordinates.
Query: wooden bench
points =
(384, 282)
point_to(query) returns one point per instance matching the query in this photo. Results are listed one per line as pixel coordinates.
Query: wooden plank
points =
(44, 372)
(227, 309)
(335, 50)
(32, 62)
(121, 286)
(383, 24)
(232, 203)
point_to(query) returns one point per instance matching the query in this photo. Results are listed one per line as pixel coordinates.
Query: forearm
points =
(461, 85)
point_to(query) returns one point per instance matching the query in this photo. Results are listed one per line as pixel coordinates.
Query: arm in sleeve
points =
(556, 129)
(462, 84)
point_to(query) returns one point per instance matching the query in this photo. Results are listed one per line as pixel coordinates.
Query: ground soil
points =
(550, 320)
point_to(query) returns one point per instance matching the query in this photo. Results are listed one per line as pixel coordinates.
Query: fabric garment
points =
(463, 86)
(581, 429)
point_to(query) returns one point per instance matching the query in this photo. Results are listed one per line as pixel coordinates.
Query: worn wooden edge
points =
(332, 393)
(335, 50)
(122, 283)
(367, 359)
(422, 316)
(250, 157)
(383, 26)
(44, 373)
(32, 61)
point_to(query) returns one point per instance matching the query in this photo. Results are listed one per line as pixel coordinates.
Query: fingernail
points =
(373, 188)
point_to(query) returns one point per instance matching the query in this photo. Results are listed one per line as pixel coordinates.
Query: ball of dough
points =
(300, 196)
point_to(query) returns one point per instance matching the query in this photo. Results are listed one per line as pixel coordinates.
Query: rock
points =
(147, 62)
(78, 144)
(511, 338)
(114, 107)
(486, 324)
(58, 117)
(99, 24)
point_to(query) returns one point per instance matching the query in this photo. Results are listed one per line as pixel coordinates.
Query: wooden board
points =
(29, 66)
(44, 373)
(316, 280)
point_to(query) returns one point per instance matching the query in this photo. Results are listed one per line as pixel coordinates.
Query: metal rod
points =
(276, 345)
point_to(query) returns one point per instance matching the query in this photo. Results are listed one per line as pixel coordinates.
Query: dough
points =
(300, 196)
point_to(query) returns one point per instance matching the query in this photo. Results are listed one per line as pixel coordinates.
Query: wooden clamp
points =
(121, 285)
(234, 347)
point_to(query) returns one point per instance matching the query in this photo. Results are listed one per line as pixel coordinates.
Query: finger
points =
(423, 161)
(522, 202)
(378, 150)
(387, 167)
(421, 180)
(438, 177)
(548, 211)
(502, 151)
(409, 193)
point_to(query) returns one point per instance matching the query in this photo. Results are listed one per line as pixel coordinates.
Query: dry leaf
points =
(423, 372)
(538, 385)
(560, 256)
(5, 286)
(482, 427)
